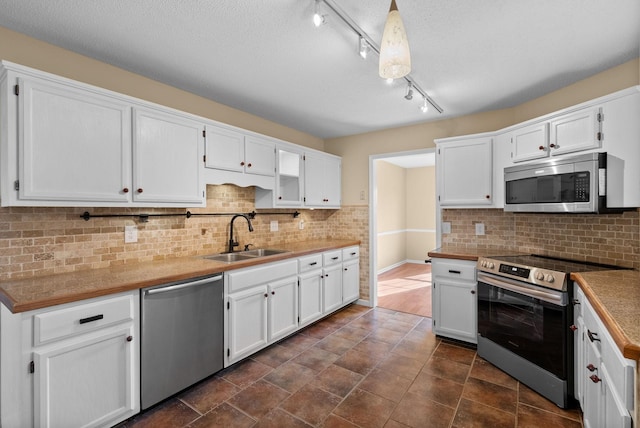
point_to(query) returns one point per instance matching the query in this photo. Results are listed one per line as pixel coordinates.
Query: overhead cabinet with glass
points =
(64, 143)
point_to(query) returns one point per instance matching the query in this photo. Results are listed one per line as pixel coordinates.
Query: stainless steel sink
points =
(229, 257)
(262, 252)
(244, 255)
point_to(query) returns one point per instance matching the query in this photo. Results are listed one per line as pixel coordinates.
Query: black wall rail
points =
(143, 218)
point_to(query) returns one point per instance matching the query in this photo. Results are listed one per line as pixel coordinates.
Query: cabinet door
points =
(313, 180)
(289, 178)
(283, 308)
(530, 142)
(332, 288)
(592, 408)
(310, 297)
(74, 145)
(456, 310)
(224, 149)
(333, 182)
(247, 322)
(465, 172)
(575, 131)
(350, 281)
(615, 413)
(166, 158)
(259, 157)
(85, 382)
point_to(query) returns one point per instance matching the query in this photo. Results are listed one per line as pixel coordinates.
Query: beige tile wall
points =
(605, 238)
(40, 241)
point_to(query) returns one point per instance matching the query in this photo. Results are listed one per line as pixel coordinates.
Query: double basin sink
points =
(244, 255)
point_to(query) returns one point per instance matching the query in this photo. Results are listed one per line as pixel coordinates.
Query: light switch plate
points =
(274, 225)
(446, 227)
(479, 228)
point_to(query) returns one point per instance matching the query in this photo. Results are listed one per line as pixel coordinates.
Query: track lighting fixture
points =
(318, 18)
(409, 94)
(364, 48)
(395, 61)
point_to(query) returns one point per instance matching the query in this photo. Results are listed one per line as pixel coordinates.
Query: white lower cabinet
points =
(604, 381)
(350, 274)
(454, 300)
(262, 307)
(83, 361)
(331, 281)
(310, 288)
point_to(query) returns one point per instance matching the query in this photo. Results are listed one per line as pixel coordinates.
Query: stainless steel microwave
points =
(576, 184)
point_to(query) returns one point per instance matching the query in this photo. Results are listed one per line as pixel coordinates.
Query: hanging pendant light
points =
(395, 59)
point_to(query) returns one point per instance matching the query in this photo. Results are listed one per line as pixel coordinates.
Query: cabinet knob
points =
(473, 291)
(541, 148)
(591, 368)
(573, 327)
(249, 165)
(129, 338)
(125, 190)
(241, 163)
(487, 196)
(273, 293)
(575, 302)
(266, 295)
(594, 378)
(279, 197)
(140, 190)
(553, 146)
(346, 269)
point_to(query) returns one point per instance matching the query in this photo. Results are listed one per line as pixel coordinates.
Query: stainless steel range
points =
(524, 320)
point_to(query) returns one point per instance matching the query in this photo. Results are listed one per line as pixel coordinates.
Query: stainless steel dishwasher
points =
(182, 336)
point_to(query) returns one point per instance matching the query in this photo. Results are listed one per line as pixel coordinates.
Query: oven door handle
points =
(555, 298)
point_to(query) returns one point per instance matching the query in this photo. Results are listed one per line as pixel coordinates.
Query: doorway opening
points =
(402, 230)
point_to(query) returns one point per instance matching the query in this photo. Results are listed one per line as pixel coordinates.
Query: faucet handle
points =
(246, 247)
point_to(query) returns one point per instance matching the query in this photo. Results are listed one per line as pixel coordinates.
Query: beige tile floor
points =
(361, 367)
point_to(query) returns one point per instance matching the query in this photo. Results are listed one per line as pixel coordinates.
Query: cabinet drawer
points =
(309, 263)
(249, 277)
(350, 253)
(461, 270)
(332, 257)
(82, 318)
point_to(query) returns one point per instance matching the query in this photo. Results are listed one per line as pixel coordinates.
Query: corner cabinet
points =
(83, 361)
(64, 143)
(454, 299)
(464, 171)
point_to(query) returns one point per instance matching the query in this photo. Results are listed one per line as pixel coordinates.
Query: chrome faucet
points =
(233, 243)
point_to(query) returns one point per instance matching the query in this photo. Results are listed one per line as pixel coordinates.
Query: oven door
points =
(529, 321)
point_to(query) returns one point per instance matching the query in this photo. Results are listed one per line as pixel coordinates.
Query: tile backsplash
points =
(41, 241)
(604, 238)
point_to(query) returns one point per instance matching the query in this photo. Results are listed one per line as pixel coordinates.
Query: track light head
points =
(364, 48)
(318, 18)
(409, 95)
(424, 107)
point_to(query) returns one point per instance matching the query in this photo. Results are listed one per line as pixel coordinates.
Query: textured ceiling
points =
(265, 57)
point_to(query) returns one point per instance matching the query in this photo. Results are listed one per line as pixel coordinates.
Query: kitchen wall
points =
(421, 212)
(605, 238)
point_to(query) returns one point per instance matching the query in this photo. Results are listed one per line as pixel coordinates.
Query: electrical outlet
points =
(130, 234)
(274, 225)
(479, 228)
(362, 195)
(446, 227)
(301, 225)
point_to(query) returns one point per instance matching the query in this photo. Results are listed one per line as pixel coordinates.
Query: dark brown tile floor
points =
(361, 367)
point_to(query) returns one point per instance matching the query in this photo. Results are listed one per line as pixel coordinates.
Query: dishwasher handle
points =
(183, 285)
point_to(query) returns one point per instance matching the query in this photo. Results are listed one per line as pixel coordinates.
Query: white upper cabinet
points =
(530, 142)
(73, 145)
(322, 180)
(575, 132)
(65, 143)
(236, 157)
(167, 165)
(465, 172)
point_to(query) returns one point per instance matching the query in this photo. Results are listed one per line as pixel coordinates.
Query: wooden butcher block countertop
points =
(22, 295)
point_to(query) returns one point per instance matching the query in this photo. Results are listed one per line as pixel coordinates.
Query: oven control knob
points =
(490, 265)
(540, 276)
(483, 263)
(549, 278)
